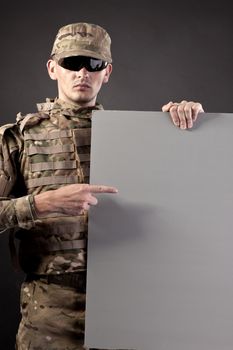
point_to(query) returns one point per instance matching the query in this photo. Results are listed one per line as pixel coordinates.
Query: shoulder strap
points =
(30, 119)
(3, 128)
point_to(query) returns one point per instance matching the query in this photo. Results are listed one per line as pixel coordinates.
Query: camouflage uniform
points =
(44, 151)
(40, 152)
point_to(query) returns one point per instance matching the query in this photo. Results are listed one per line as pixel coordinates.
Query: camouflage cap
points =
(82, 39)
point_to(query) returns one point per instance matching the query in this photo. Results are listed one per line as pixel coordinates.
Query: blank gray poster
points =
(160, 252)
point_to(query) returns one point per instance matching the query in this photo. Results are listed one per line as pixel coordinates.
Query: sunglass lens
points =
(75, 63)
(96, 65)
(72, 63)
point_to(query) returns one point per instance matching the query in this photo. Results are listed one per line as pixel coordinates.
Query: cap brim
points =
(64, 54)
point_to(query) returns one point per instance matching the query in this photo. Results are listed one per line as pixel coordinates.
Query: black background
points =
(162, 51)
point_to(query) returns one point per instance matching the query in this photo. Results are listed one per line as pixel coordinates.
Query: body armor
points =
(55, 152)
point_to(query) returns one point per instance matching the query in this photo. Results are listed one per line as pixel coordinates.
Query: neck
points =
(77, 104)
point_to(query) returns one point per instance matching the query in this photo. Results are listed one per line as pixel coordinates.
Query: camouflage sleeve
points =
(14, 212)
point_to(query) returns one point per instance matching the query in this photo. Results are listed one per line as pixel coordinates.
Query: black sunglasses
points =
(76, 63)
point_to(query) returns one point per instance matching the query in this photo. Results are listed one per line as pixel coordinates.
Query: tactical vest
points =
(56, 152)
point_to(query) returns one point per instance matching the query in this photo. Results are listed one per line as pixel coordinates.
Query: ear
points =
(51, 67)
(108, 71)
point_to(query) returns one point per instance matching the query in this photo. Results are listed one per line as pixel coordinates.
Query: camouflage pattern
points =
(82, 39)
(53, 146)
(53, 317)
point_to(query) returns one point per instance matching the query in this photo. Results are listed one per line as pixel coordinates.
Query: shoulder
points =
(5, 127)
(31, 119)
(9, 131)
(13, 134)
(10, 139)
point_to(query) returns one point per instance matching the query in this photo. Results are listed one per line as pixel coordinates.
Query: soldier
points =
(45, 195)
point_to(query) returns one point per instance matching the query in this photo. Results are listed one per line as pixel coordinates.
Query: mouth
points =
(81, 86)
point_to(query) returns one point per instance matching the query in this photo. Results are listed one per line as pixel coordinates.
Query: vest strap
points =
(52, 180)
(82, 136)
(54, 165)
(57, 134)
(36, 248)
(50, 149)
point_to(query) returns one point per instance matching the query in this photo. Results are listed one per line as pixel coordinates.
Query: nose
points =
(82, 73)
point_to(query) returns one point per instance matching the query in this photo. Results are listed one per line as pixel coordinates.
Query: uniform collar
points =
(55, 105)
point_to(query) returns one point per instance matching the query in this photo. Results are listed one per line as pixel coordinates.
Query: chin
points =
(84, 101)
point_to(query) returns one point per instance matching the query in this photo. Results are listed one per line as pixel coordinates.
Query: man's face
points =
(78, 87)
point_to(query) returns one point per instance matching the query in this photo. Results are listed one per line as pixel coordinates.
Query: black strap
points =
(75, 280)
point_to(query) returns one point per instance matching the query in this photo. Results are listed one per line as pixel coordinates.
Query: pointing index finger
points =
(102, 189)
